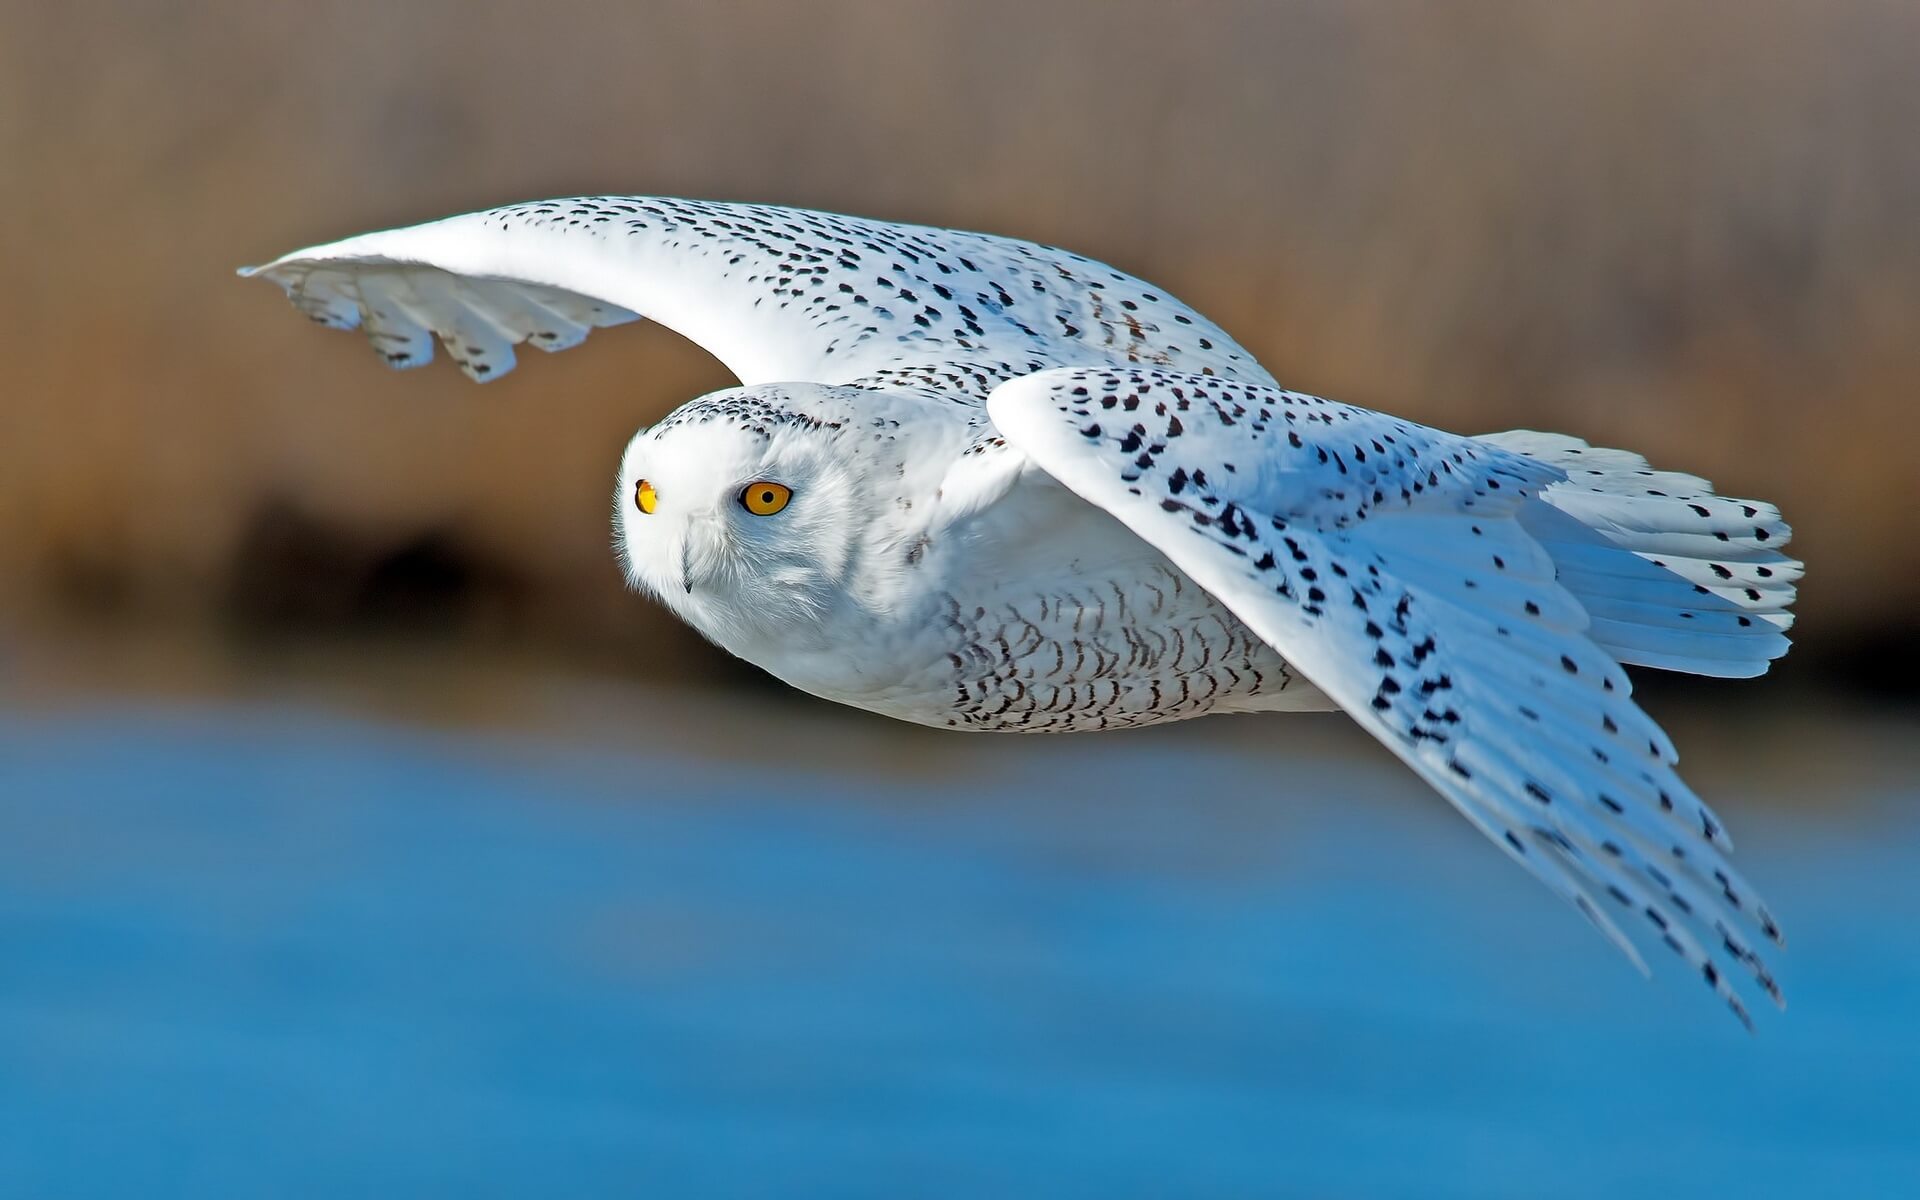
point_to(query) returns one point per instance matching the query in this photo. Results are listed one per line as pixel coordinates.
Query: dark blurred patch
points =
(298, 573)
(1882, 664)
(85, 582)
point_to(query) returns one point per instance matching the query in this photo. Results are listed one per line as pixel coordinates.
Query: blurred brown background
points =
(1692, 229)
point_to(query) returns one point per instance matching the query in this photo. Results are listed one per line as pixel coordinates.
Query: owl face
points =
(745, 513)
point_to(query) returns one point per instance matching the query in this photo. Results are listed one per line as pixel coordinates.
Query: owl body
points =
(957, 588)
(981, 484)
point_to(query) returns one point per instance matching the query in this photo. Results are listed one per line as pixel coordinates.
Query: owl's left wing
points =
(1389, 563)
(776, 294)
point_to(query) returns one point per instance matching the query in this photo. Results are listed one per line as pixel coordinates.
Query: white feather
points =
(1674, 576)
(777, 294)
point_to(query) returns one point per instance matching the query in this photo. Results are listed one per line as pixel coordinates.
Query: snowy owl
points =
(982, 484)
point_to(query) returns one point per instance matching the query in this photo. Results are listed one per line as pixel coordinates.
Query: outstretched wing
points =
(777, 294)
(1389, 563)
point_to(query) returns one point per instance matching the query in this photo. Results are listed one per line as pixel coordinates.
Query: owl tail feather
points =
(1672, 575)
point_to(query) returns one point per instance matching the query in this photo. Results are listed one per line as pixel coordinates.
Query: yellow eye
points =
(644, 498)
(765, 498)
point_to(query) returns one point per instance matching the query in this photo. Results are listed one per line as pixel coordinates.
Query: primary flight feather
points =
(977, 483)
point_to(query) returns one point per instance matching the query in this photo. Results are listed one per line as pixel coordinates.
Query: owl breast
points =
(1101, 653)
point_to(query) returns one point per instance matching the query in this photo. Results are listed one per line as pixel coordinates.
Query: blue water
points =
(293, 954)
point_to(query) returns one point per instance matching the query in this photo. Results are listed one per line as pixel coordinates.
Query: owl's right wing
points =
(1397, 567)
(776, 294)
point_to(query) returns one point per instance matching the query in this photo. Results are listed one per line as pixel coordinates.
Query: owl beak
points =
(700, 544)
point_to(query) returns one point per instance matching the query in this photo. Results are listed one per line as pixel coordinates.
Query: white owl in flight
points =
(977, 483)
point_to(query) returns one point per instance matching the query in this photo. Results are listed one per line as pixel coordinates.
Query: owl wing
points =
(1392, 564)
(776, 294)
